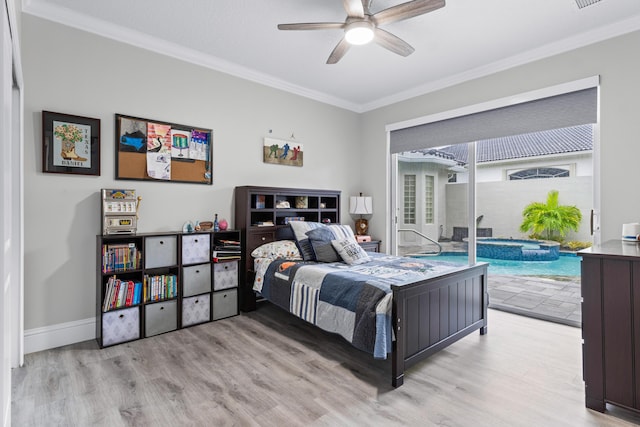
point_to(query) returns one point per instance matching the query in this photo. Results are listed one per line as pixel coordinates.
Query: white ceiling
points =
(463, 40)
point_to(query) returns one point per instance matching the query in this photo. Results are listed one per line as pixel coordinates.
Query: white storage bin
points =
(120, 326)
(195, 248)
(225, 275)
(196, 310)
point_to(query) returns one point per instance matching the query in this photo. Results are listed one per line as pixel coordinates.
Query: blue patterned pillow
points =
(350, 251)
(321, 238)
(300, 229)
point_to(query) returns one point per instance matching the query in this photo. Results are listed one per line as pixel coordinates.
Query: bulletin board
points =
(153, 150)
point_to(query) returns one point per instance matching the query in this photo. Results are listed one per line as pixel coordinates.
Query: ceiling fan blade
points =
(406, 10)
(354, 8)
(338, 52)
(394, 43)
(312, 26)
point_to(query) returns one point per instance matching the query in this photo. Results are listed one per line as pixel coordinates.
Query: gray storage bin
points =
(120, 326)
(225, 304)
(160, 317)
(196, 279)
(195, 248)
(161, 251)
(196, 310)
(225, 275)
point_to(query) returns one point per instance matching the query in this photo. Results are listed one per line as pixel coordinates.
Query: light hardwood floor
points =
(267, 368)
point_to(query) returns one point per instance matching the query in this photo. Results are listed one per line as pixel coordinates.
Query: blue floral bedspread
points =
(352, 301)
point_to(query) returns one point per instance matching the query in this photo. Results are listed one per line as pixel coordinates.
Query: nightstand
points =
(372, 246)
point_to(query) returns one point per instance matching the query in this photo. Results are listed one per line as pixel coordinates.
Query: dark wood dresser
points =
(611, 324)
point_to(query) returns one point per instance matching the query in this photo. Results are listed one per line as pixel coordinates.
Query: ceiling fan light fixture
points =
(359, 33)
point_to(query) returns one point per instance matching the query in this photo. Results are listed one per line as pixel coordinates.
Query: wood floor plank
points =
(268, 368)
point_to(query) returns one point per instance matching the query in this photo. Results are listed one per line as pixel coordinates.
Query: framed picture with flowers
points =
(70, 144)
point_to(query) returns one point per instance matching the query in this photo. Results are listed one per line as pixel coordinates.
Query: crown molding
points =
(64, 16)
(551, 49)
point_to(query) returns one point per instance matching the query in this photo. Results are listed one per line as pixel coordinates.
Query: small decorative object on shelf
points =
(188, 227)
(206, 225)
(223, 224)
(119, 211)
(216, 224)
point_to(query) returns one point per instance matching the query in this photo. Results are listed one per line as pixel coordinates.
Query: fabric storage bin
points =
(225, 304)
(225, 275)
(196, 310)
(161, 251)
(195, 248)
(196, 279)
(160, 317)
(120, 326)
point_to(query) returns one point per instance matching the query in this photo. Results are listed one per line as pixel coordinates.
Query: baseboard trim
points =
(53, 336)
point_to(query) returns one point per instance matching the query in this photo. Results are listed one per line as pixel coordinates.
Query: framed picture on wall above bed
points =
(70, 144)
(282, 152)
(153, 150)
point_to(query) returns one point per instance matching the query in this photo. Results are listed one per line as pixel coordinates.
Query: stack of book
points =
(121, 293)
(120, 257)
(161, 287)
(226, 250)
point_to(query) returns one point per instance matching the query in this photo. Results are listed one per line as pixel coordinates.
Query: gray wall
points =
(73, 72)
(616, 62)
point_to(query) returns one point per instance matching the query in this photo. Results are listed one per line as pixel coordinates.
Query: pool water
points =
(565, 265)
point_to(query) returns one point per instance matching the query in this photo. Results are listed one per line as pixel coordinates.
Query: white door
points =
(6, 183)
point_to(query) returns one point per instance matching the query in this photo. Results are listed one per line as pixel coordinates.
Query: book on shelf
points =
(120, 257)
(223, 244)
(288, 219)
(264, 224)
(226, 255)
(120, 293)
(260, 201)
(162, 287)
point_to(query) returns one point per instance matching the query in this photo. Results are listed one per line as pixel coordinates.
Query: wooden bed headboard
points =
(262, 214)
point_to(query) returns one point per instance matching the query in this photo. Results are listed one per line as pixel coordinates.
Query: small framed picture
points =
(70, 144)
(282, 152)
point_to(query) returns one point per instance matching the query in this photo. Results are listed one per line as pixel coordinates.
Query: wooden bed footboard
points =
(430, 315)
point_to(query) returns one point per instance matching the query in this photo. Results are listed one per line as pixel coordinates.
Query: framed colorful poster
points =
(70, 144)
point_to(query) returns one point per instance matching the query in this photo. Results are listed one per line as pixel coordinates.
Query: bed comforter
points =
(353, 301)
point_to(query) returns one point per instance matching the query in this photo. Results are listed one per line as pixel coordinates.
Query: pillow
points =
(350, 251)
(321, 238)
(300, 229)
(277, 249)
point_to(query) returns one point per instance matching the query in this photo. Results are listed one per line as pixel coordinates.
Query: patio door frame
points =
(392, 191)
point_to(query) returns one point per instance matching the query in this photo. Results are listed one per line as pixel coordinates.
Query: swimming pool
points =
(517, 249)
(565, 265)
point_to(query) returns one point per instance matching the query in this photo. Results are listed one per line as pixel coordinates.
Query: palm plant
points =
(550, 219)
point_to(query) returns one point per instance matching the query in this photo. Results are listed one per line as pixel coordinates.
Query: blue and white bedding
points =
(353, 301)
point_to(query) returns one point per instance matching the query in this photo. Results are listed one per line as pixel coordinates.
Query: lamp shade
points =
(360, 205)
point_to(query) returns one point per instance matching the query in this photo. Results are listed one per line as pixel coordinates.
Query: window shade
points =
(569, 109)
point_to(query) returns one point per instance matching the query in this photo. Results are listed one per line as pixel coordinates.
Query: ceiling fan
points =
(361, 26)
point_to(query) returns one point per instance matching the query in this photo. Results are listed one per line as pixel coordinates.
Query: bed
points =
(405, 309)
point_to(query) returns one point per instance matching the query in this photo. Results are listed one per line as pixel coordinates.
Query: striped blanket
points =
(353, 301)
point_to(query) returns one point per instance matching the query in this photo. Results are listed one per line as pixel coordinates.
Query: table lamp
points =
(361, 205)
